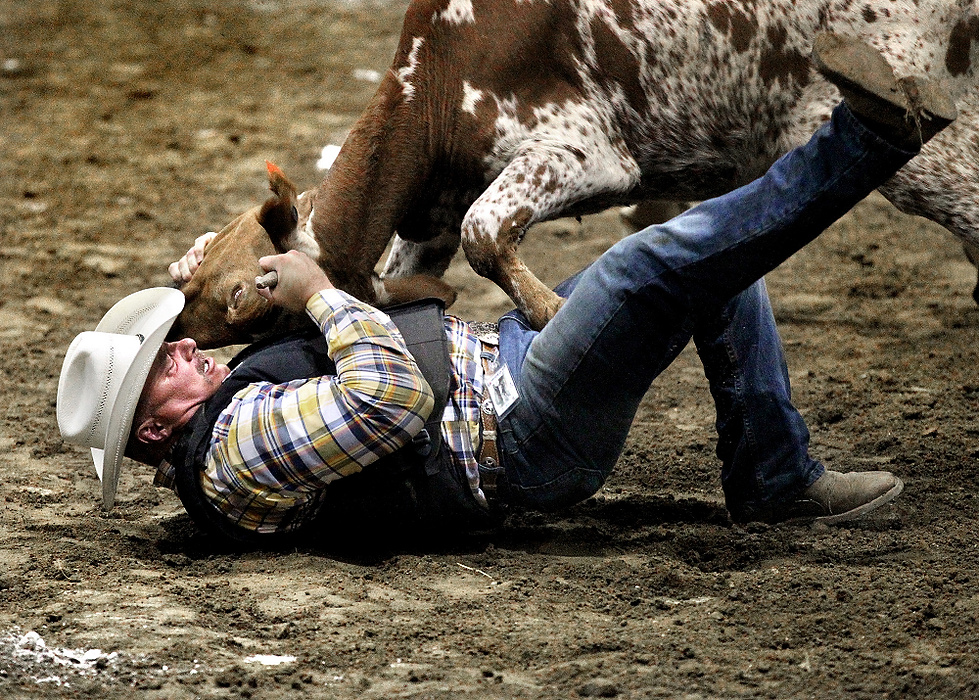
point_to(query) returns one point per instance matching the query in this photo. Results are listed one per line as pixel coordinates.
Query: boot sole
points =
(926, 99)
(854, 66)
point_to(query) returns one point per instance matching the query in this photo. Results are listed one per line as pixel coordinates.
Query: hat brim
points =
(148, 313)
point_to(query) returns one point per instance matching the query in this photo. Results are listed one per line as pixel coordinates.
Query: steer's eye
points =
(236, 294)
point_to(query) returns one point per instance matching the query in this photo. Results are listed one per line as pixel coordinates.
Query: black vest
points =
(420, 485)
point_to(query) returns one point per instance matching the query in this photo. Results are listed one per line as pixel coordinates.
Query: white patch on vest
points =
(405, 72)
(470, 96)
(458, 12)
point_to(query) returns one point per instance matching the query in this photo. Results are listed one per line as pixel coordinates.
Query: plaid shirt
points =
(276, 447)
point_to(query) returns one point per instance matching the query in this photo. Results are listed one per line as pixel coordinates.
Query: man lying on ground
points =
(537, 421)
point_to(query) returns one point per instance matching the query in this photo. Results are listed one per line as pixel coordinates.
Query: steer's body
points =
(497, 114)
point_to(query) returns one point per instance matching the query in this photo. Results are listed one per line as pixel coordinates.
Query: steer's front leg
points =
(543, 182)
(491, 249)
(428, 257)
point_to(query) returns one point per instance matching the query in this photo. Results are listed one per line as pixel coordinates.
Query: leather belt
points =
(488, 457)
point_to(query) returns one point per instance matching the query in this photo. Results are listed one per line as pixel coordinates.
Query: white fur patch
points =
(305, 241)
(405, 72)
(458, 12)
(380, 292)
(470, 97)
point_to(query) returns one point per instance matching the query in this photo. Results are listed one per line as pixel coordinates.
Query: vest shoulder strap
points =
(422, 324)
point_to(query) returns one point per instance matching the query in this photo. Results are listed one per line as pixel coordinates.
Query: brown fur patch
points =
(779, 64)
(618, 64)
(733, 22)
(959, 46)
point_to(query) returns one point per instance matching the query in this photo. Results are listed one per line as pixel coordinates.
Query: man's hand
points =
(299, 279)
(182, 270)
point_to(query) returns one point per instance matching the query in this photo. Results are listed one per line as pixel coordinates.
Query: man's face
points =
(180, 380)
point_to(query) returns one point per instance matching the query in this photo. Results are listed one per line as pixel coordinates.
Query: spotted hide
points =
(497, 114)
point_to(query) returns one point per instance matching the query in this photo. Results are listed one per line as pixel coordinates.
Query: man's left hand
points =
(182, 270)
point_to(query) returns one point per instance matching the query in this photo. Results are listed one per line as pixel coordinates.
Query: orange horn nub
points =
(274, 169)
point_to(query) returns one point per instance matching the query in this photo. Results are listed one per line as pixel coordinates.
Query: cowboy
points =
(460, 426)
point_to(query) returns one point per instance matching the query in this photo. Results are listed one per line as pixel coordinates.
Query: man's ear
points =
(152, 431)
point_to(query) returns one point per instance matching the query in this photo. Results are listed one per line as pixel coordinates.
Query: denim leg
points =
(763, 442)
(632, 311)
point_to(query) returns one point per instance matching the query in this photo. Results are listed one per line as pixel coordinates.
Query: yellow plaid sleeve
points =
(276, 446)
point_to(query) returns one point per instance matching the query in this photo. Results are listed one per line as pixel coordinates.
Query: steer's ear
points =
(279, 216)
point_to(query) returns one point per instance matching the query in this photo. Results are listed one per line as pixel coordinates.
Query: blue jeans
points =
(629, 315)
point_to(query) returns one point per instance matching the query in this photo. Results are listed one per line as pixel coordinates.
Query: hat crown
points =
(104, 373)
(90, 382)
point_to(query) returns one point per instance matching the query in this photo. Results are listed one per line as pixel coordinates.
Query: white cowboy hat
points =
(104, 373)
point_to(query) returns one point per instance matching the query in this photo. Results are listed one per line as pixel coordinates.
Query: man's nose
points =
(186, 347)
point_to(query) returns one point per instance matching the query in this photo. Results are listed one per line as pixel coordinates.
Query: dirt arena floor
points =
(130, 128)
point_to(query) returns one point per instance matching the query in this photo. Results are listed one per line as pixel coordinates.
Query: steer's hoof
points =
(544, 312)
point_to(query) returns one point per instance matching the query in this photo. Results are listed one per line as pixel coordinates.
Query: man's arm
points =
(278, 444)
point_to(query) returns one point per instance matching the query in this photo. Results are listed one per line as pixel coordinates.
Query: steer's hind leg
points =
(414, 270)
(972, 253)
(651, 211)
(540, 184)
(431, 257)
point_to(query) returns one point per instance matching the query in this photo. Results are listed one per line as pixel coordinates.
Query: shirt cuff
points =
(325, 302)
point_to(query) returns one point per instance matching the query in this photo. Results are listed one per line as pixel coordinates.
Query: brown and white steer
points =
(496, 114)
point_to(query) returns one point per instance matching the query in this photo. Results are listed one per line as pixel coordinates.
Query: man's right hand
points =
(182, 270)
(299, 279)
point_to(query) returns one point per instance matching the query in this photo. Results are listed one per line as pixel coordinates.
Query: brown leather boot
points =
(836, 497)
(906, 112)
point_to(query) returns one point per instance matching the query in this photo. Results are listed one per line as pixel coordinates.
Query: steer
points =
(497, 114)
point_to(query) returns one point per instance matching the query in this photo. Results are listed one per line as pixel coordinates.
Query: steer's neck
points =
(380, 168)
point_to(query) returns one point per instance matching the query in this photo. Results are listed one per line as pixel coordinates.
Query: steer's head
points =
(222, 305)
